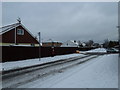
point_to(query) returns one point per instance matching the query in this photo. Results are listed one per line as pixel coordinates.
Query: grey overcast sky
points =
(62, 21)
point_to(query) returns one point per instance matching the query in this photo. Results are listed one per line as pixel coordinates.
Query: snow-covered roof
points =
(70, 43)
(8, 28)
(75, 42)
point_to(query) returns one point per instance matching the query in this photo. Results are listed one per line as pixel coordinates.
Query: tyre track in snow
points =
(23, 76)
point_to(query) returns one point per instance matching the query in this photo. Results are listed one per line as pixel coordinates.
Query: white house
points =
(70, 43)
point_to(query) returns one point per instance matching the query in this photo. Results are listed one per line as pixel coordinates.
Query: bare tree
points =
(106, 43)
(90, 43)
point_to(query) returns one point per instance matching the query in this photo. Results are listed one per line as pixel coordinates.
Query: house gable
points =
(11, 37)
(26, 37)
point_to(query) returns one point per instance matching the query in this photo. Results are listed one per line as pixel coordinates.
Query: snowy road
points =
(100, 72)
(21, 79)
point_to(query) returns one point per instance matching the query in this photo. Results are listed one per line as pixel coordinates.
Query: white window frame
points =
(20, 32)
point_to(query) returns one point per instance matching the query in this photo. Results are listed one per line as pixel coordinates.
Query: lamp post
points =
(118, 33)
(119, 38)
(39, 45)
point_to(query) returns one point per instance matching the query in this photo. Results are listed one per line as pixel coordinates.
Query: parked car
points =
(112, 50)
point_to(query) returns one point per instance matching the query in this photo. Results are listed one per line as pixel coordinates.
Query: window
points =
(20, 31)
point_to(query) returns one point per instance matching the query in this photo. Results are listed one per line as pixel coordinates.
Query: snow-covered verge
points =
(30, 62)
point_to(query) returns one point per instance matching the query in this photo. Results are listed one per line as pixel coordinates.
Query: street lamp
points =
(39, 34)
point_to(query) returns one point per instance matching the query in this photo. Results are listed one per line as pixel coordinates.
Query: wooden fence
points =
(15, 53)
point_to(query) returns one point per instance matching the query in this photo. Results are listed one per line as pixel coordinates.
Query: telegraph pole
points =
(119, 36)
(39, 45)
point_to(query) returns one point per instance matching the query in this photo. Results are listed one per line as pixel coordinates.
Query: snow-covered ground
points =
(97, 50)
(30, 62)
(101, 72)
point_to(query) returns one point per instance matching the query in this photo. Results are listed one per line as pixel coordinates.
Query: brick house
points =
(17, 34)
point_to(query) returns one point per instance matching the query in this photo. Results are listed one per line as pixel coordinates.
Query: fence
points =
(15, 53)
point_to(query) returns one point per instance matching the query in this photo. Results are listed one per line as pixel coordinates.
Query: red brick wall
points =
(8, 37)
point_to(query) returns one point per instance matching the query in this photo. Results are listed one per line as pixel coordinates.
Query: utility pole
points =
(119, 37)
(119, 26)
(39, 45)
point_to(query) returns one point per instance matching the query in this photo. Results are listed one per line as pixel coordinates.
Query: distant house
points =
(51, 44)
(70, 43)
(17, 34)
(83, 44)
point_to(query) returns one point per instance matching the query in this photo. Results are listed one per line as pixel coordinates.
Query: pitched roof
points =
(8, 27)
